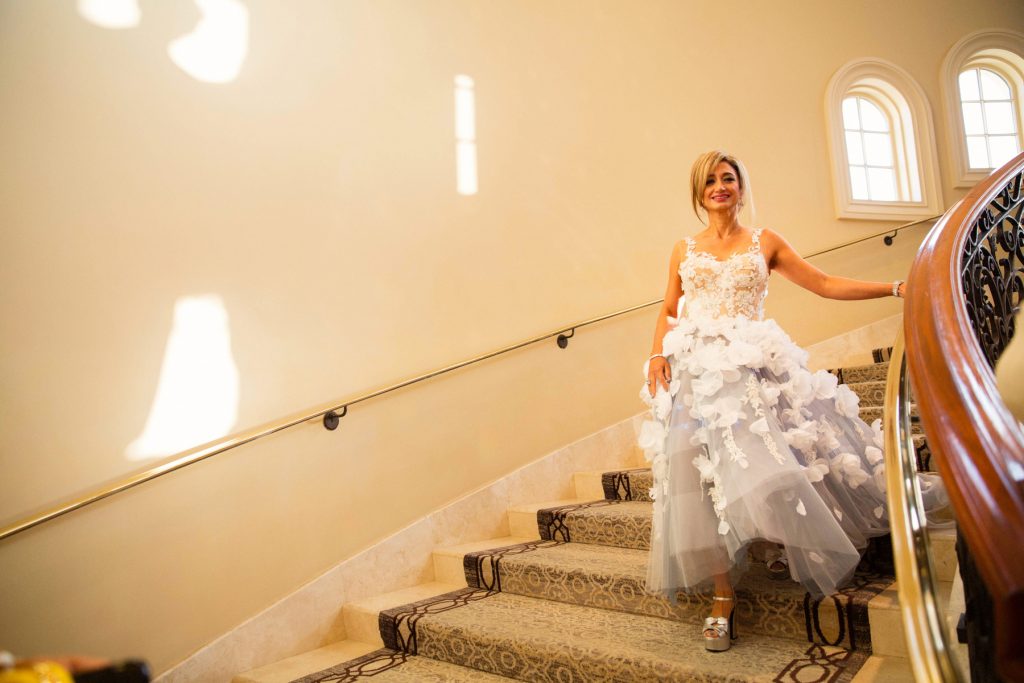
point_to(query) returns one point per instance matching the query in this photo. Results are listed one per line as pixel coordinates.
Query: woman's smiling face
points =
(722, 189)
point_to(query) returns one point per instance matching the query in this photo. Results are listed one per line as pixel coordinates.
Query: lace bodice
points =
(736, 286)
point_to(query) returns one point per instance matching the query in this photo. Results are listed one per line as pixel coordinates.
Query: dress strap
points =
(689, 245)
(755, 240)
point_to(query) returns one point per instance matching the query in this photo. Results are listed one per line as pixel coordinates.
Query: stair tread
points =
(287, 670)
(356, 659)
(518, 637)
(627, 524)
(884, 365)
(614, 578)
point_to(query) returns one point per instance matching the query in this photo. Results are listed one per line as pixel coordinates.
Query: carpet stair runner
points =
(563, 600)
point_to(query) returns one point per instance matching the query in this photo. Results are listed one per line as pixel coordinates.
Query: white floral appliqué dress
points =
(748, 444)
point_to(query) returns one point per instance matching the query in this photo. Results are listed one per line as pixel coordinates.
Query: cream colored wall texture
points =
(222, 212)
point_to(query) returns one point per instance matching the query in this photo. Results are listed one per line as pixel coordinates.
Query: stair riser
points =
(627, 485)
(361, 625)
(523, 523)
(887, 633)
(587, 485)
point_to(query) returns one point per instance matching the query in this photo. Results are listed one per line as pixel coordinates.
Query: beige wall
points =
(315, 195)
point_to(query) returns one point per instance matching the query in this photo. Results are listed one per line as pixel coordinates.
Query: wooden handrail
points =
(978, 444)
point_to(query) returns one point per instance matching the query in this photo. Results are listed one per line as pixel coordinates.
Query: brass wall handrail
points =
(927, 645)
(326, 412)
(227, 443)
(886, 235)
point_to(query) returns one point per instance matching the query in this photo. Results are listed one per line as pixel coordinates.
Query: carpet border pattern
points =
(398, 624)
(366, 666)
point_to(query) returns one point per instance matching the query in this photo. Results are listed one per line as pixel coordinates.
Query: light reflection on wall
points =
(110, 13)
(197, 397)
(465, 136)
(216, 49)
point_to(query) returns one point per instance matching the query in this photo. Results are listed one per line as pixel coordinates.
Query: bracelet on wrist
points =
(656, 355)
(896, 288)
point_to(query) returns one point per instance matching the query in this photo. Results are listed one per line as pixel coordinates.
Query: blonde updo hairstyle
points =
(704, 166)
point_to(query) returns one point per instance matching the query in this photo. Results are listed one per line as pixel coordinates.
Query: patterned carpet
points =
(613, 578)
(571, 607)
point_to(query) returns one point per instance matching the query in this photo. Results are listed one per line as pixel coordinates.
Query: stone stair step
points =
(541, 640)
(361, 617)
(888, 637)
(292, 668)
(943, 547)
(878, 669)
(448, 560)
(387, 666)
(613, 579)
(522, 519)
(587, 485)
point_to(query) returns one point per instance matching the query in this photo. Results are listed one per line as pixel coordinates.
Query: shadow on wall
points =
(197, 398)
(213, 52)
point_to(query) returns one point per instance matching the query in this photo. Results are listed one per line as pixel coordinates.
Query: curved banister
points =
(978, 444)
(328, 412)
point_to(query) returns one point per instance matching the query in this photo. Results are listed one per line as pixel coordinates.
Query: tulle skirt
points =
(749, 445)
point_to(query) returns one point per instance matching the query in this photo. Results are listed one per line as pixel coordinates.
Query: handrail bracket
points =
(333, 417)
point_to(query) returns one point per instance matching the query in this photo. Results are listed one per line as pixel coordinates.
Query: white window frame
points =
(1000, 51)
(895, 132)
(905, 104)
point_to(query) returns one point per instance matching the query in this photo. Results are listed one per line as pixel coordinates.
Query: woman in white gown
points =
(745, 443)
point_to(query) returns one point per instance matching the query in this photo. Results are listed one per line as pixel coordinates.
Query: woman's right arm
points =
(658, 371)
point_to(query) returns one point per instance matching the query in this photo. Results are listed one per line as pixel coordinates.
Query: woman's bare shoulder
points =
(772, 239)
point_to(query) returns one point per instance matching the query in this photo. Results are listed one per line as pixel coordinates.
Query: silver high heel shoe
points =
(719, 632)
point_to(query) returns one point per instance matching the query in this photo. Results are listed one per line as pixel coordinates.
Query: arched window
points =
(990, 118)
(882, 143)
(983, 84)
(869, 150)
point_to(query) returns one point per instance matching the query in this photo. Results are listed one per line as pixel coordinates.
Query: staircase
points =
(562, 599)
